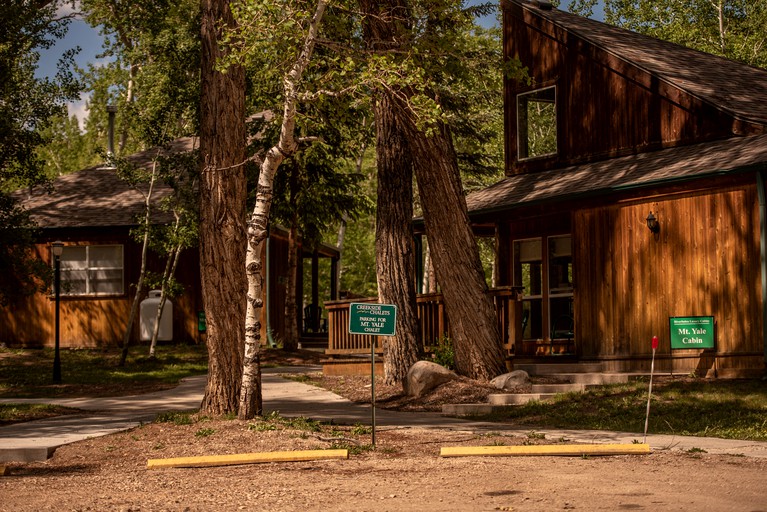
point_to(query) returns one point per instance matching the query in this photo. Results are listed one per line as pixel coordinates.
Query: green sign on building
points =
(691, 332)
(373, 319)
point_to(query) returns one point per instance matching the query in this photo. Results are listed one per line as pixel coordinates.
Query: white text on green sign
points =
(373, 319)
(692, 332)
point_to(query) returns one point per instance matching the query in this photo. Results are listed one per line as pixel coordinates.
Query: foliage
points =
(153, 71)
(736, 29)
(27, 104)
(443, 353)
(14, 413)
(730, 409)
(27, 373)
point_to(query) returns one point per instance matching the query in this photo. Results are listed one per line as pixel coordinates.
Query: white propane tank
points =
(149, 315)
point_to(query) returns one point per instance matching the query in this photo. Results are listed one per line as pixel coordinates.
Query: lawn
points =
(724, 408)
(95, 372)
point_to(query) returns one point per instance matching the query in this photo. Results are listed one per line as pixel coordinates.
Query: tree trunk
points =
(291, 328)
(395, 251)
(395, 260)
(222, 214)
(142, 271)
(453, 248)
(170, 271)
(250, 394)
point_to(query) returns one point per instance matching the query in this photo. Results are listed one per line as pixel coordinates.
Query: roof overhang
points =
(644, 170)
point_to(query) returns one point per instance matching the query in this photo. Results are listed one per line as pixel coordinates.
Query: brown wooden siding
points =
(704, 261)
(99, 321)
(605, 107)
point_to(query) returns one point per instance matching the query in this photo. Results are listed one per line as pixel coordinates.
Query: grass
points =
(28, 373)
(729, 409)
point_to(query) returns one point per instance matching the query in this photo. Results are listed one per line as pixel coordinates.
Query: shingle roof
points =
(737, 154)
(97, 197)
(732, 86)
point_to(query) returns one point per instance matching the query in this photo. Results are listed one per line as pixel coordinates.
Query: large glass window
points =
(537, 123)
(560, 264)
(92, 270)
(546, 278)
(528, 273)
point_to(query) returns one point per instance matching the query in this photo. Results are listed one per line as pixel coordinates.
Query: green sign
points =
(691, 332)
(373, 319)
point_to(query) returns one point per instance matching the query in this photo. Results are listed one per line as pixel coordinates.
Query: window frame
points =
(520, 131)
(547, 293)
(89, 269)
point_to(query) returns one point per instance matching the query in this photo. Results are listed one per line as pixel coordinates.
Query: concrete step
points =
(558, 388)
(595, 378)
(514, 398)
(558, 368)
(467, 409)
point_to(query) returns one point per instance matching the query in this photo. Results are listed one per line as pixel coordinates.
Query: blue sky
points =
(90, 42)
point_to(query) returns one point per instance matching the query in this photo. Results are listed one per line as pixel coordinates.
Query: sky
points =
(90, 41)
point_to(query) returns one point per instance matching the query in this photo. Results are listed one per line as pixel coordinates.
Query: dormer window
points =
(537, 123)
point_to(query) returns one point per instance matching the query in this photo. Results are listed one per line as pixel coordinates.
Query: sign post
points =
(373, 320)
(649, 393)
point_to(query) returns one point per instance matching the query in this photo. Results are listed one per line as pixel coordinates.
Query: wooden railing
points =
(432, 322)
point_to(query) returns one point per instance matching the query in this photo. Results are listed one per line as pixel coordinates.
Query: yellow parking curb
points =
(246, 458)
(571, 450)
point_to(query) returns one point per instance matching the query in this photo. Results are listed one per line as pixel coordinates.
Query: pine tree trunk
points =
(453, 248)
(222, 215)
(291, 321)
(395, 259)
(395, 251)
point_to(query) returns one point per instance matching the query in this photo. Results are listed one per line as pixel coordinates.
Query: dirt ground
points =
(403, 473)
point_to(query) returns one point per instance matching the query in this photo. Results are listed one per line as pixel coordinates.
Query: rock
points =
(511, 380)
(424, 376)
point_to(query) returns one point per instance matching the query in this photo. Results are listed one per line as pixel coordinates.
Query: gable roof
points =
(731, 86)
(738, 154)
(97, 197)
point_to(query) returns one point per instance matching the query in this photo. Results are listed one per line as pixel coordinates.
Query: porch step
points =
(558, 368)
(558, 388)
(595, 379)
(513, 398)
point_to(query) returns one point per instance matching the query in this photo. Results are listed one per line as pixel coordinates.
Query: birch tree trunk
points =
(142, 271)
(222, 214)
(250, 394)
(170, 270)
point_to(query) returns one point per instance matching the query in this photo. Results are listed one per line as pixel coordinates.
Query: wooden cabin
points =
(92, 211)
(634, 203)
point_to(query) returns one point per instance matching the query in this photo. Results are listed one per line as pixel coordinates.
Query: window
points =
(537, 123)
(92, 270)
(546, 278)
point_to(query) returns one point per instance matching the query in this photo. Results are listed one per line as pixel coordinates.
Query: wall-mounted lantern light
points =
(652, 223)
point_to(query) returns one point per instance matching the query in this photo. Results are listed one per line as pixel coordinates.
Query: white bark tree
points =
(250, 392)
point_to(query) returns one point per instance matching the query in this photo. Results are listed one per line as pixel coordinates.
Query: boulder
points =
(509, 381)
(424, 376)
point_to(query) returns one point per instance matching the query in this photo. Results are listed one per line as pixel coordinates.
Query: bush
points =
(443, 353)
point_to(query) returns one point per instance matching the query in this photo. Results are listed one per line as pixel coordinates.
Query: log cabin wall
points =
(605, 107)
(88, 322)
(703, 262)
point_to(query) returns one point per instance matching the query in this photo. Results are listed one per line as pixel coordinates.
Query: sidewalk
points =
(37, 440)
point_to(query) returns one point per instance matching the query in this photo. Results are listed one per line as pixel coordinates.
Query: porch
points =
(433, 323)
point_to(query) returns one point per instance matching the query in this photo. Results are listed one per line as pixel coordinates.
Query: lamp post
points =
(57, 248)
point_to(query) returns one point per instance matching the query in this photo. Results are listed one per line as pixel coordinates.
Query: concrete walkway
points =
(37, 440)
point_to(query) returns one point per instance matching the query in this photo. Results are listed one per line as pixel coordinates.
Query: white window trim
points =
(88, 269)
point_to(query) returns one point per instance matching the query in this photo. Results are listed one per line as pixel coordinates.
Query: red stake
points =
(649, 393)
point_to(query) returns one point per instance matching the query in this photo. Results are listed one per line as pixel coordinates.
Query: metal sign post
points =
(649, 393)
(373, 320)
